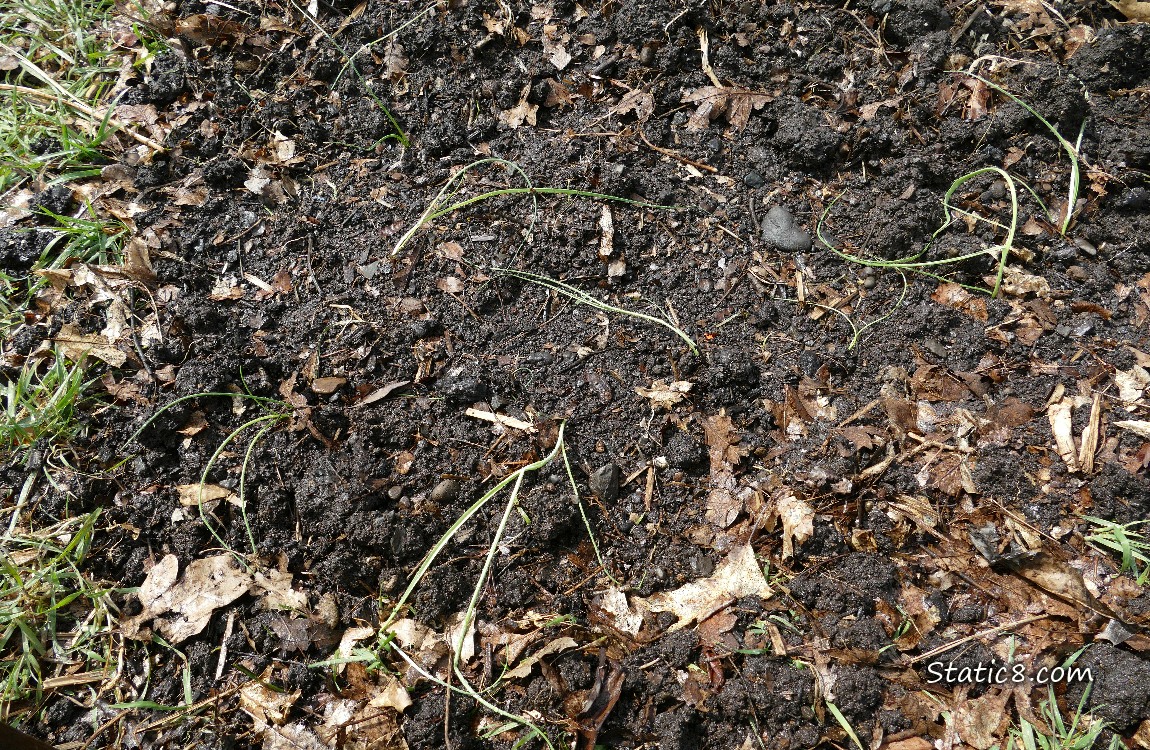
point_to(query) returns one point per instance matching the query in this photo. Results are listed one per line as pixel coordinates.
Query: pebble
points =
(780, 230)
(604, 482)
(753, 180)
(395, 492)
(462, 389)
(446, 491)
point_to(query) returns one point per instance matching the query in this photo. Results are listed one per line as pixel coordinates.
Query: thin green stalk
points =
(1073, 150)
(912, 262)
(581, 297)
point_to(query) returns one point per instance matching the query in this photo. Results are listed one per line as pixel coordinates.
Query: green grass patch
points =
(54, 620)
(41, 405)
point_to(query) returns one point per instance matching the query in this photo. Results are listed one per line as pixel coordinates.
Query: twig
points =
(981, 634)
(679, 157)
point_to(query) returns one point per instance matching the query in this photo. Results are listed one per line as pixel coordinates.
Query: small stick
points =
(677, 156)
(981, 634)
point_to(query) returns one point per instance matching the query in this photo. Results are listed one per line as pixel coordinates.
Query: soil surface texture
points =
(810, 479)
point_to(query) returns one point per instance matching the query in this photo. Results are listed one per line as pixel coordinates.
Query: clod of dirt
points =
(1121, 693)
(910, 20)
(446, 491)
(683, 452)
(780, 230)
(604, 482)
(56, 199)
(462, 389)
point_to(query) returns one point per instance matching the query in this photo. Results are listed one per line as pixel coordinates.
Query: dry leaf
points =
(183, 608)
(664, 395)
(981, 721)
(1132, 383)
(192, 495)
(735, 102)
(1135, 10)
(523, 669)
(736, 577)
(798, 519)
(75, 345)
(264, 705)
(449, 285)
(521, 112)
(723, 505)
(641, 102)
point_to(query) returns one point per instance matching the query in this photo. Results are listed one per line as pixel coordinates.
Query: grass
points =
(1080, 733)
(917, 262)
(53, 618)
(444, 204)
(51, 120)
(40, 406)
(275, 412)
(1124, 539)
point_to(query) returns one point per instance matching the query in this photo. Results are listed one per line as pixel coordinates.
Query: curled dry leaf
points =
(735, 102)
(664, 395)
(798, 519)
(521, 112)
(1140, 428)
(192, 495)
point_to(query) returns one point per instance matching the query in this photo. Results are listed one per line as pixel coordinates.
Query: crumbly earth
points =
(891, 437)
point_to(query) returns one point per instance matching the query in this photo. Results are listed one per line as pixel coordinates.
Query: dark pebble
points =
(754, 180)
(604, 482)
(462, 389)
(780, 230)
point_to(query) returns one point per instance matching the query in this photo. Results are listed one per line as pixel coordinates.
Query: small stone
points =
(780, 230)
(604, 482)
(753, 179)
(423, 329)
(461, 389)
(395, 492)
(446, 491)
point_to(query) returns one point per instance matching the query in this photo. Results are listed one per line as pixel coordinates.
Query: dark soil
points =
(859, 105)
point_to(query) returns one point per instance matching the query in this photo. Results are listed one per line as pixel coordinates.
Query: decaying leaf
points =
(981, 722)
(737, 576)
(521, 112)
(1135, 10)
(182, 608)
(723, 504)
(75, 345)
(641, 102)
(523, 669)
(735, 102)
(264, 705)
(327, 386)
(798, 521)
(664, 395)
(192, 495)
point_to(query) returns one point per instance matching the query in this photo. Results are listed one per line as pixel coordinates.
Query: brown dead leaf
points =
(1135, 10)
(75, 346)
(735, 102)
(521, 112)
(954, 295)
(641, 102)
(664, 395)
(192, 495)
(737, 576)
(981, 722)
(936, 383)
(723, 505)
(449, 285)
(798, 519)
(394, 61)
(264, 705)
(182, 608)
